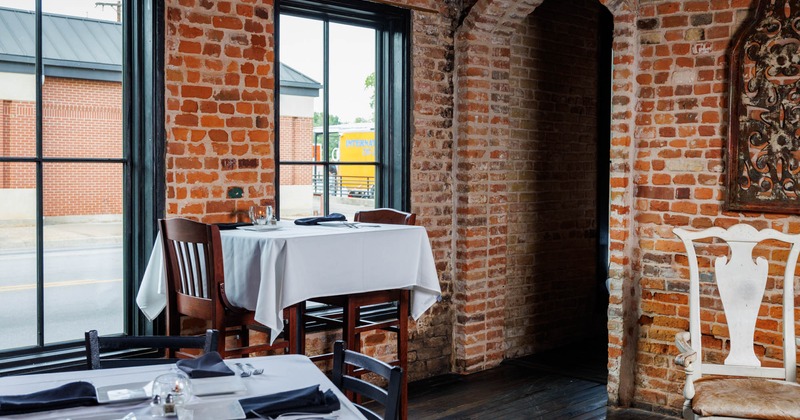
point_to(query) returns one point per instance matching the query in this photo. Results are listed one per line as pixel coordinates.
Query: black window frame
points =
(143, 179)
(392, 92)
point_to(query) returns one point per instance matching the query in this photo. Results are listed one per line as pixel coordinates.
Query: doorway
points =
(560, 82)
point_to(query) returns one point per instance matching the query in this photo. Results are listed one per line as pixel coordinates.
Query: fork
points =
(254, 370)
(244, 373)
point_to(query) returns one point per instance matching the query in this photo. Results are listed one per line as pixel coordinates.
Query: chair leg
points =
(295, 331)
(402, 350)
(244, 341)
(350, 320)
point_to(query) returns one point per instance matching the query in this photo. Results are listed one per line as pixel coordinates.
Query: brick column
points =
(482, 57)
(623, 306)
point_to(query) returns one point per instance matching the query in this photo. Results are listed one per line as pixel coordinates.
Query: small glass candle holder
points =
(170, 391)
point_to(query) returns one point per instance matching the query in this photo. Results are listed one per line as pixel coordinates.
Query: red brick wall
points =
(219, 106)
(552, 287)
(680, 140)
(81, 118)
(297, 143)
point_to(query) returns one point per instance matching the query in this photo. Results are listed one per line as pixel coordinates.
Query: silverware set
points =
(248, 369)
(356, 225)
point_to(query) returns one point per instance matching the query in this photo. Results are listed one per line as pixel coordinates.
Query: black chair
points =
(389, 398)
(96, 345)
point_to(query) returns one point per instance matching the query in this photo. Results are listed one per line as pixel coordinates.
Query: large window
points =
(343, 107)
(74, 169)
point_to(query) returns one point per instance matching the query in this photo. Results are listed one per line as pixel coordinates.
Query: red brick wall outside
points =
(81, 118)
(297, 143)
(552, 288)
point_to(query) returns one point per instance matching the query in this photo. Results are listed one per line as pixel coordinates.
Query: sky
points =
(352, 59)
(352, 52)
(82, 8)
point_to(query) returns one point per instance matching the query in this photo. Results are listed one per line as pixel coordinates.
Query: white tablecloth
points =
(269, 271)
(281, 373)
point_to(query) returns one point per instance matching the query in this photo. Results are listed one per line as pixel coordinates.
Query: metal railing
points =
(345, 186)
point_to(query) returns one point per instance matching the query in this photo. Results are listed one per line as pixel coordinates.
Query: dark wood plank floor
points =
(562, 384)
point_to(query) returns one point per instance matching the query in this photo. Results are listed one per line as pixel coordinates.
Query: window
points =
(343, 107)
(76, 170)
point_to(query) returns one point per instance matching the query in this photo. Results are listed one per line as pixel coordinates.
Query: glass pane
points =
(17, 255)
(352, 189)
(352, 91)
(301, 191)
(82, 89)
(17, 80)
(301, 89)
(83, 260)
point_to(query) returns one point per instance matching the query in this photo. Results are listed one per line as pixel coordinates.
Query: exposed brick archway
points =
(482, 48)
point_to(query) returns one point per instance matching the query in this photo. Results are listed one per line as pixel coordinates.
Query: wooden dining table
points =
(220, 399)
(267, 271)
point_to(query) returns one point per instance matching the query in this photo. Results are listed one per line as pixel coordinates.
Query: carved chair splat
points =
(740, 387)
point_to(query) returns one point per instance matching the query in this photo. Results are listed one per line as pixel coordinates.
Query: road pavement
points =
(83, 267)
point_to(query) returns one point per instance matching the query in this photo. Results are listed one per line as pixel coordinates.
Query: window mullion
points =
(326, 206)
(39, 179)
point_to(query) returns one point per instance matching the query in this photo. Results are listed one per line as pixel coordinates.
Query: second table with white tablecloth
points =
(220, 400)
(271, 270)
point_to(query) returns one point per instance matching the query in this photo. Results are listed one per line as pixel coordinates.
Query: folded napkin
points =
(230, 226)
(304, 400)
(333, 217)
(208, 365)
(73, 394)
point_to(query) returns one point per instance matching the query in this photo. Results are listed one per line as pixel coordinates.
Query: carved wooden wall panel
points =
(764, 129)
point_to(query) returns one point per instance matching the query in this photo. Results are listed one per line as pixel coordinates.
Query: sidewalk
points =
(61, 235)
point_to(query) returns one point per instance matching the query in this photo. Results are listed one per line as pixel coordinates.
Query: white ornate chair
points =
(740, 387)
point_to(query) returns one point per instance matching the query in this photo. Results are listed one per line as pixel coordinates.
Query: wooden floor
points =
(536, 387)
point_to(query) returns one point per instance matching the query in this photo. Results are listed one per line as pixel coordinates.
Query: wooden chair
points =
(196, 288)
(745, 389)
(96, 345)
(389, 398)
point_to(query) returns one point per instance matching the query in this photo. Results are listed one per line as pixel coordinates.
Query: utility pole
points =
(117, 6)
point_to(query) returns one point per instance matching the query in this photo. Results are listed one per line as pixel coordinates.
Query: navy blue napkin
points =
(73, 394)
(333, 217)
(209, 365)
(230, 226)
(304, 400)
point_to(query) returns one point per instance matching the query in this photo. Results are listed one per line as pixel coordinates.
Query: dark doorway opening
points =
(560, 79)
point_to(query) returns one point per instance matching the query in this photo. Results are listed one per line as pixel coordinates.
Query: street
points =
(83, 291)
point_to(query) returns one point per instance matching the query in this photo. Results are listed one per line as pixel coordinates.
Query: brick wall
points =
(81, 118)
(552, 250)
(680, 141)
(219, 107)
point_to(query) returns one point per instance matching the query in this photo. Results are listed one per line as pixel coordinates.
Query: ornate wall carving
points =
(764, 130)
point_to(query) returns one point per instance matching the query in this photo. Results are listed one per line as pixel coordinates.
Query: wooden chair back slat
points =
(387, 216)
(344, 359)
(96, 345)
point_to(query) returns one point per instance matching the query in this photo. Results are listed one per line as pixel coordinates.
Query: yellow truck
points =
(351, 143)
